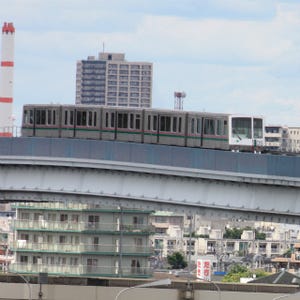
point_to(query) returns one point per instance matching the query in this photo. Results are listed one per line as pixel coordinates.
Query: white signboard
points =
(204, 269)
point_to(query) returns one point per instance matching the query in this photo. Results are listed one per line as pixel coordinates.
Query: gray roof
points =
(282, 277)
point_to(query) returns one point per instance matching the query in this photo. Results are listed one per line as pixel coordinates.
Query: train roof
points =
(139, 109)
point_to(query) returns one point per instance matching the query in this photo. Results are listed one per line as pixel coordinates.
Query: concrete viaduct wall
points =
(209, 183)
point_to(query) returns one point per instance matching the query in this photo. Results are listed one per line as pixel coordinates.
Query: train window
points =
(40, 117)
(112, 120)
(138, 121)
(66, 117)
(193, 125)
(219, 127)
(149, 123)
(179, 124)
(131, 121)
(209, 126)
(225, 127)
(90, 118)
(198, 125)
(174, 124)
(28, 116)
(106, 120)
(95, 119)
(71, 117)
(154, 122)
(49, 117)
(241, 128)
(258, 128)
(81, 118)
(122, 120)
(165, 123)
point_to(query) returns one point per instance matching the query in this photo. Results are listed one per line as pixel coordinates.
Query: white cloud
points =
(227, 55)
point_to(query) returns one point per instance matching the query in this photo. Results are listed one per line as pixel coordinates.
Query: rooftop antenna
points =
(103, 47)
(178, 100)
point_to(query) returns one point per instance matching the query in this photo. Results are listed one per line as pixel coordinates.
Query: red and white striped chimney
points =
(6, 80)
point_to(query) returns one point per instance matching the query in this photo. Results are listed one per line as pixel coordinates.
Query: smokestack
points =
(6, 80)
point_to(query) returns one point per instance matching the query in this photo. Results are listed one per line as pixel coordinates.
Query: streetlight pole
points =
(216, 286)
(189, 257)
(145, 285)
(26, 281)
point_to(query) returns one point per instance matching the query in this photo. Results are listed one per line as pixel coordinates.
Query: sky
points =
(228, 56)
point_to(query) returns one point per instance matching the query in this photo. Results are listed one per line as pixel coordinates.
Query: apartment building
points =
(81, 240)
(274, 138)
(202, 238)
(293, 139)
(169, 229)
(113, 81)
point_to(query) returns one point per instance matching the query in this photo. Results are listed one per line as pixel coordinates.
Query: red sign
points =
(204, 269)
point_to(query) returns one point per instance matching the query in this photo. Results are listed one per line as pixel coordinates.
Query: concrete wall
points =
(152, 154)
(20, 291)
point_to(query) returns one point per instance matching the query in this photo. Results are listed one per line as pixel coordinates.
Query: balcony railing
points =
(46, 225)
(23, 245)
(81, 270)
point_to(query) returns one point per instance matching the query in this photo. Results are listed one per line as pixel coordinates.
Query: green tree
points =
(176, 260)
(233, 233)
(237, 271)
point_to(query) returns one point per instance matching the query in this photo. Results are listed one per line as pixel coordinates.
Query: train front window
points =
(241, 128)
(258, 128)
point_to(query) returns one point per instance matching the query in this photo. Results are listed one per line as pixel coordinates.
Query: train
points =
(145, 125)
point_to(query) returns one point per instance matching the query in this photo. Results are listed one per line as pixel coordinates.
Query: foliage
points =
(176, 260)
(235, 233)
(194, 235)
(288, 253)
(237, 271)
(260, 235)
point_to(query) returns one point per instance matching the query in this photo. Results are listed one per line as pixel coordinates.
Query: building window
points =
(63, 217)
(62, 239)
(24, 259)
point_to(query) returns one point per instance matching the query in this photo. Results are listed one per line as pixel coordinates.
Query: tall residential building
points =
(113, 81)
(81, 240)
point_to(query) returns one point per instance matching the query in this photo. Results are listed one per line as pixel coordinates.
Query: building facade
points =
(81, 240)
(113, 81)
(274, 138)
(294, 139)
(196, 238)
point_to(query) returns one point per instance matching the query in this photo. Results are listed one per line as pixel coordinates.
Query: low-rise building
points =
(291, 262)
(274, 138)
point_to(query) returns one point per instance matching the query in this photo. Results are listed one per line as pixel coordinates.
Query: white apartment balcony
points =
(81, 270)
(70, 226)
(101, 249)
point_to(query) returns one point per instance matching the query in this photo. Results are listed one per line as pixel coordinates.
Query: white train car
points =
(152, 126)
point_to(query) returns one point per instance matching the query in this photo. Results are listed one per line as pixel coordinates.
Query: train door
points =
(68, 122)
(109, 124)
(151, 132)
(193, 131)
